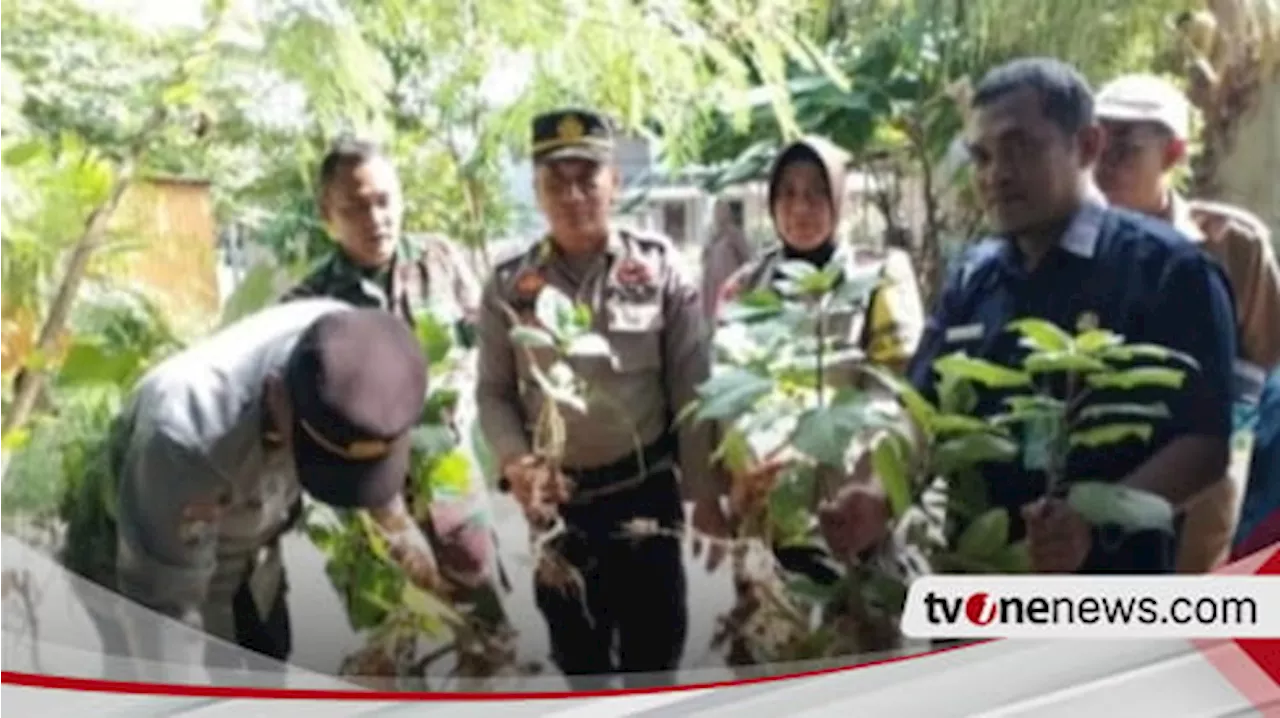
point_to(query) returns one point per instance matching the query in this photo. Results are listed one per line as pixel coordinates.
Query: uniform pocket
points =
(636, 352)
(635, 335)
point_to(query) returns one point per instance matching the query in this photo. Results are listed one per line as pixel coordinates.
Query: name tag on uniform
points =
(964, 333)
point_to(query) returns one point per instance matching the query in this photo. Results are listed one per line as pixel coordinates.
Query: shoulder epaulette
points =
(649, 237)
(1242, 219)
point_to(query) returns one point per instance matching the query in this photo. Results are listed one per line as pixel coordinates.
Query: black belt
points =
(629, 468)
(622, 470)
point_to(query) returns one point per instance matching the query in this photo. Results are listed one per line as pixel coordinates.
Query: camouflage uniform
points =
(429, 274)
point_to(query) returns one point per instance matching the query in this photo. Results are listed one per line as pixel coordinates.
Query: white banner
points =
(1107, 607)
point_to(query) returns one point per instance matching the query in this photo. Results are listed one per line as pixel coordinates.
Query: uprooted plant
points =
(779, 354)
(555, 335)
(410, 626)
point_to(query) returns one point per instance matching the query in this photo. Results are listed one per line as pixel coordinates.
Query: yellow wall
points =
(178, 263)
(171, 225)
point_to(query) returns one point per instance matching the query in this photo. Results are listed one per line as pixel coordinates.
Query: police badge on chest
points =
(633, 302)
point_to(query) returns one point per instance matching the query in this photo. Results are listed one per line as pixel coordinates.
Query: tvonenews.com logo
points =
(1078, 606)
(983, 609)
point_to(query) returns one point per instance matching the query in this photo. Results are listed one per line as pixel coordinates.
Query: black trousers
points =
(634, 618)
(271, 636)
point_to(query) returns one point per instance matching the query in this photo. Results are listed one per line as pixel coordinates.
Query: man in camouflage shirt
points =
(376, 265)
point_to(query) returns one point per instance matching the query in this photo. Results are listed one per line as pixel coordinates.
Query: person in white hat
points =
(1147, 123)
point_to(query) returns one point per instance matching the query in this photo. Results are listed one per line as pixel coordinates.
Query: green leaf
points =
(753, 305)
(1112, 504)
(825, 433)
(966, 495)
(555, 311)
(891, 461)
(581, 317)
(819, 283)
(728, 394)
(919, 408)
(531, 337)
(986, 536)
(15, 440)
(956, 396)
(734, 451)
(451, 475)
(87, 363)
(981, 371)
(1041, 335)
(432, 440)
(796, 269)
(1129, 352)
(1097, 341)
(959, 424)
(1014, 558)
(22, 153)
(441, 402)
(1055, 362)
(435, 337)
(1147, 411)
(590, 345)
(1097, 436)
(254, 292)
(971, 450)
(789, 507)
(422, 603)
(1140, 377)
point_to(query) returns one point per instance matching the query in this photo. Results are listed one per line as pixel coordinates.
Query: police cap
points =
(572, 134)
(357, 381)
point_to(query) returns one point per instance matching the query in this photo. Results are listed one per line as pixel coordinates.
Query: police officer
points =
(211, 455)
(649, 311)
(376, 265)
(1146, 119)
(1062, 255)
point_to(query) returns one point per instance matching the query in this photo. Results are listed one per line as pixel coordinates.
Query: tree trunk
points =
(1233, 54)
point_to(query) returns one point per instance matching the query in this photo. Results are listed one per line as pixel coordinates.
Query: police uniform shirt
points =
(198, 493)
(648, 309)
(1112, 270)
(1241, 243)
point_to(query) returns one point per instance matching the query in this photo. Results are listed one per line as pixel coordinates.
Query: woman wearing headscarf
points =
(806, 189)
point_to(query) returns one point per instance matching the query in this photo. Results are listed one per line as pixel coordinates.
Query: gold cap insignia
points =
(370, 449)
(1086, 322)
(570, 129)
(362, 450)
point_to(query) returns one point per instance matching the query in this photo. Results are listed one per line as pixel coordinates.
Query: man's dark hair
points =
(346, 152)
(1066, 98)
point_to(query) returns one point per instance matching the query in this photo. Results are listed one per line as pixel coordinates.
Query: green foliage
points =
(1092, 361)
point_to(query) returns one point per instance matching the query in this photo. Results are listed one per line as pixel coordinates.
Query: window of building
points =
(673, 222)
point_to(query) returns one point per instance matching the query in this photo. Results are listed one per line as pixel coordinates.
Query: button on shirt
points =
(1112, 270)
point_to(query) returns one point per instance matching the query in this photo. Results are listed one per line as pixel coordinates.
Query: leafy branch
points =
(1065, 399)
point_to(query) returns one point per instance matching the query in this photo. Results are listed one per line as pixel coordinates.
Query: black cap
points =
(572, 134)
(357, 381)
